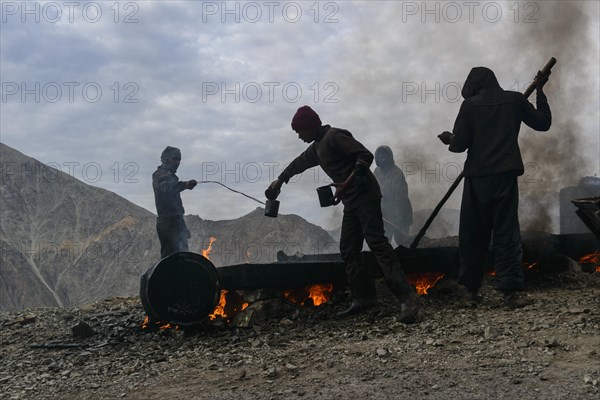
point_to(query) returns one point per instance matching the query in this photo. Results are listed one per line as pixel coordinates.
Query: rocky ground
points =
(548, 350)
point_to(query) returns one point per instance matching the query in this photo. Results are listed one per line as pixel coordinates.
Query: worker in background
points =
(395, 204)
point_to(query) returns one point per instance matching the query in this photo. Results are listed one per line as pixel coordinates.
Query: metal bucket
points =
(325, 196)
(271, 208)
(182, 288)
(271, 205)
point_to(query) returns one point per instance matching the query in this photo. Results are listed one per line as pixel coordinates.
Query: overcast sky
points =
(100, 88)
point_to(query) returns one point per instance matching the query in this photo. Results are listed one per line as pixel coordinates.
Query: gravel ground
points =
(547, 350)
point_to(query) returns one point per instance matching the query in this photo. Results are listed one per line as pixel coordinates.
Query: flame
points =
(206, 252)
(318, 293)
(161, 325)
(219, 310)
(227, 309)
(424, 281)
(592, 258)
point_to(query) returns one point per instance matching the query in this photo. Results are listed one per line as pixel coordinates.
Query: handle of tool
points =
(435, 212)
(545, 71)
(235, 191)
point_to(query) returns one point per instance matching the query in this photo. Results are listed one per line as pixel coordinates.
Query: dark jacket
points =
(488, 125)
(167, 189)
(338, 154)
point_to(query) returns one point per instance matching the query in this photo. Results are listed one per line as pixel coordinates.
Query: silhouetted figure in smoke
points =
(488, 126)
(346, 161)
(395, 204)
(172, 231)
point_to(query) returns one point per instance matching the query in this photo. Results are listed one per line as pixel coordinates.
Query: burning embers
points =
(230, 303)
(592, 260)
(558, 263)
(158, 325)
(424, 281)
(314, 295)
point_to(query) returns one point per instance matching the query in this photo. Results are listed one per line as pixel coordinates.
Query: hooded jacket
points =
(488, 124)
(395, 204)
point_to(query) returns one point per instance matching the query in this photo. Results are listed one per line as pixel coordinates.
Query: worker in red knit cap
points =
(346, 161)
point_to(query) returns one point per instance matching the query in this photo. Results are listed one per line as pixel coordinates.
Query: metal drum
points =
(182, 289)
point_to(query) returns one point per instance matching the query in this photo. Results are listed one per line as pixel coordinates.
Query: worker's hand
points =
(191, 184)
(340, 189)
(541, 80)
(273, 190)
(446, 137)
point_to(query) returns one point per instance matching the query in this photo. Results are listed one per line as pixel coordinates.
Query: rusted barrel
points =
(182, 288)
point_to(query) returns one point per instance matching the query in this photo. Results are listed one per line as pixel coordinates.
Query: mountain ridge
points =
(66, 243)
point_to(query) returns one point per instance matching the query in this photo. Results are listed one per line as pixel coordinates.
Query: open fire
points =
(424, 281)
(230, 303)
(314, 295)
(232, 297)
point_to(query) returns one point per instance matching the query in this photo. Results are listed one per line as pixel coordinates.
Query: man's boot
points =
(410, 307)
(364, 300)
(410, 302)
(467, 297)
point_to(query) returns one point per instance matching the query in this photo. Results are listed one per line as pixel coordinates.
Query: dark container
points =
(325, 196)
(271, 208)
(589, 212)
(182, 289)
(587, 187)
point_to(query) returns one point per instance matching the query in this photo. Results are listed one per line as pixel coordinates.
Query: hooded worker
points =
(488, 125)
(395, 204)
(170, 225)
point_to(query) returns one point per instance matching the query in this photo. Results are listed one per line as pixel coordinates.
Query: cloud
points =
(225, 92)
